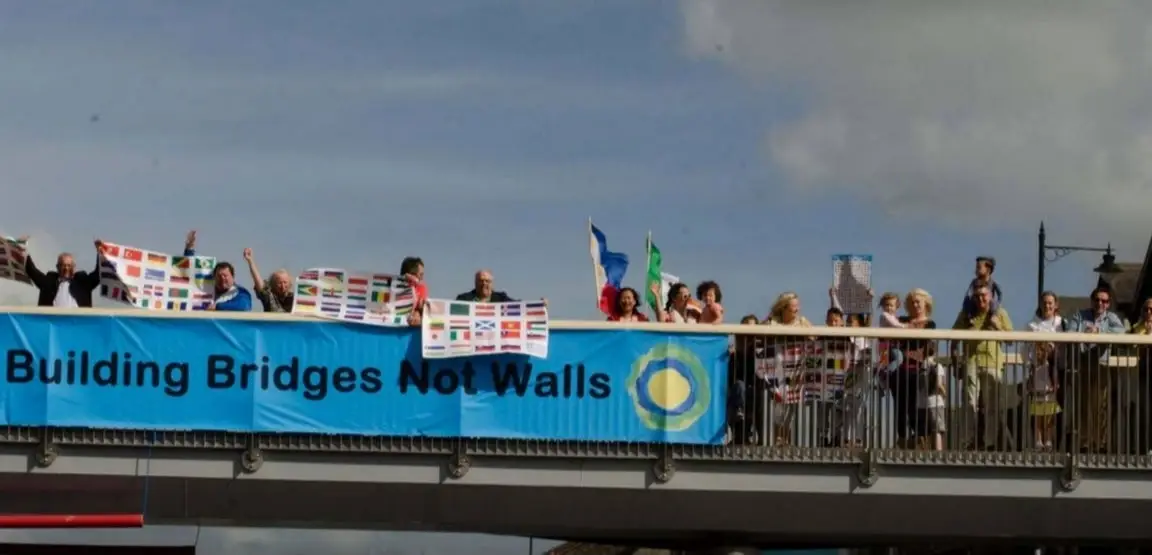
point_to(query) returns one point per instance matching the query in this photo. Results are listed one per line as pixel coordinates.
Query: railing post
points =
(46, 451)
(867, 473)
(1071, 475)
(252, 458)
(458, 462)
(665, 467)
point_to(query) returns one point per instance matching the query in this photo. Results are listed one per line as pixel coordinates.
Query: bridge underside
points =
(652, 516)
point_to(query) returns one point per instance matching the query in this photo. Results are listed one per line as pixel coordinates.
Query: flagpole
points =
(647, 263)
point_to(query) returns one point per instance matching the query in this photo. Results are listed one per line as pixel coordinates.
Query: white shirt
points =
(1054, 324)
(64, 296)
(890, 321)
(932, 399)
(678, 319)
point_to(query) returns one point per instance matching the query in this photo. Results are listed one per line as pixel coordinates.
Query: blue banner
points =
(139, 372)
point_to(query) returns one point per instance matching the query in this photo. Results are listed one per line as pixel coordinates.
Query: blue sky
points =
(754, 138)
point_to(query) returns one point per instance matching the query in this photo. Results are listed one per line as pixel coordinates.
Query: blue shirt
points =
(1109, 322)
(241, 301)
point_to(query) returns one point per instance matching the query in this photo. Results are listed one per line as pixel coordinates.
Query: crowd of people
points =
(68, 287)
(1068, 392)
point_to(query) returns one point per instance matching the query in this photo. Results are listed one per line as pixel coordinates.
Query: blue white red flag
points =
(609, 268)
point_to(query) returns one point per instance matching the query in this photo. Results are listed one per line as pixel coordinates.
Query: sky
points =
(753, 138)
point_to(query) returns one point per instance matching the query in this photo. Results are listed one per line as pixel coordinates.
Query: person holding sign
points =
(276, 293)
(65, 287)
(228, 296)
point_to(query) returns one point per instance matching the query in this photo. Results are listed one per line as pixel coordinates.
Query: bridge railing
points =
(832, 395)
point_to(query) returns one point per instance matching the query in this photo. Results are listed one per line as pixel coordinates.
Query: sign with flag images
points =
(462, 329)
(154, 280)
(362, 297)
(13, 253)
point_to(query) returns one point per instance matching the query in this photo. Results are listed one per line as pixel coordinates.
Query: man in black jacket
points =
(65, 287)
(483, 292)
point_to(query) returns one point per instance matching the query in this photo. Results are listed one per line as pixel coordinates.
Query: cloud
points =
(980, 114)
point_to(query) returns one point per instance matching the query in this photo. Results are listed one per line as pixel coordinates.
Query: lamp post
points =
(1047, 254)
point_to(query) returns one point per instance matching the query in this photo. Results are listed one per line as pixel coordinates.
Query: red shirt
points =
(640, 317)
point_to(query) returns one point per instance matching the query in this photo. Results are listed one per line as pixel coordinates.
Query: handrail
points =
(597, 325)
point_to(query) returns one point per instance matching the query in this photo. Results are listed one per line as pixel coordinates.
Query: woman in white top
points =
(679, 309)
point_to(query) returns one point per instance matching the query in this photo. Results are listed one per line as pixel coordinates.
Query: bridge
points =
(274, 458)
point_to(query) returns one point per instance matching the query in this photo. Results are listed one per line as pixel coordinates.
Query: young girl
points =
(1043, 382)
(709, 295)
(1042, 391)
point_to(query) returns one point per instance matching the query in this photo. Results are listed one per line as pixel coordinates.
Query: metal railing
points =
(822, 395)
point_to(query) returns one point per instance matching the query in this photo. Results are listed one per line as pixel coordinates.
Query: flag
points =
(151, 280)
(12, 257)
(609, 268)
(655, 261)
(361, 297)
(657, 276)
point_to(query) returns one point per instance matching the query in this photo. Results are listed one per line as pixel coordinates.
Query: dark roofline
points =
(1143, 285)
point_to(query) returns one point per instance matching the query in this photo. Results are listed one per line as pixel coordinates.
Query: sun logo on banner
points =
(669, 388)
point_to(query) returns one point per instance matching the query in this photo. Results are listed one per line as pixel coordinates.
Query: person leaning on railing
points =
(786, 312)
(627, 307)
(1093, 383)
(412, 270)
(679, 309)
(856, 386)
(228, 296)
(1143, 420)
(275, 294)
(903, 377)
(982, 363)
(743, 352)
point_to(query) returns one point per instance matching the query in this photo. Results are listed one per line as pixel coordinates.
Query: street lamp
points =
(1108, 266)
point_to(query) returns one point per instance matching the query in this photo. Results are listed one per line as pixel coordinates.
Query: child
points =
(985, 266)
(1043, 406)
(853, 408)
(889, 306)
(931, 404)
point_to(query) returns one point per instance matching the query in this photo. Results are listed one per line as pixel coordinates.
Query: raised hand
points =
(190, 240)
(248, 254)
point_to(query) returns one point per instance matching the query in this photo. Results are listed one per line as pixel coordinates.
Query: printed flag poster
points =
(156, 281)
(806, 371)
(378, 299)
(462, 329)
(851, 281)
(13, 253)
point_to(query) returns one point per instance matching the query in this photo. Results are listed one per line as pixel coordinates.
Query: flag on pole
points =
(609, 268)
(656, 275)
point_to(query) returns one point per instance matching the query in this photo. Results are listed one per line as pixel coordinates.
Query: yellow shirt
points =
(983, 354)
(1141, 328)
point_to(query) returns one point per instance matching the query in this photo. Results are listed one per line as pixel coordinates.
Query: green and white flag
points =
(656, 275)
